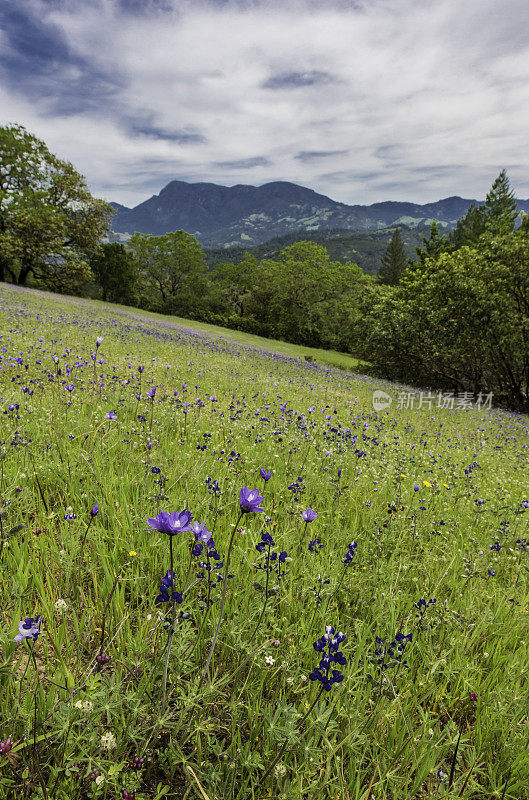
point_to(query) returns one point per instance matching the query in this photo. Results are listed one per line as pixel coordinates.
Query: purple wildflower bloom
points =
(151, 392)
(201, 532)
(95, 511)
(6, 747)
(328, 646)
(177, 522)
(28, 628)
(265, 475)
(99, 342)
(111, 415)
(250, 500)
(416, 487)
(309, 515)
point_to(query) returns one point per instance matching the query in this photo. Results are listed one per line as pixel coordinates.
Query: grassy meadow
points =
(154, 665)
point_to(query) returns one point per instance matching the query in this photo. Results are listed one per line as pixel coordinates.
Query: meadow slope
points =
(195, 663)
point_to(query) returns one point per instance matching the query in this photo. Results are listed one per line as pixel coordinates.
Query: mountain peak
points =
(245, 215)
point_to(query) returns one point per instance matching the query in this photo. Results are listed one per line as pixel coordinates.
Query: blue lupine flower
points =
(166, 584)
(329, 646)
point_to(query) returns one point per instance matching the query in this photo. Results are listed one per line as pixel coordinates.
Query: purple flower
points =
(29, 628)
(111, 415)
(6, 747)
(151, 392)
(102, 659)
(309, 515)
(99, 342)
(249, 500)
(328, 646)
(416, 487)
(95, 511)
(201, 532)
(166, 584)
(70, 387)
(265, 475)
(171, 523)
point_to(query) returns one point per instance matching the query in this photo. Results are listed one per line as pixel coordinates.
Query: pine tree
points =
(393, 262)
(501, 206)
(433, 245)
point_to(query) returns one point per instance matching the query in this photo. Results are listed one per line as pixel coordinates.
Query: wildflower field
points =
(223, 575)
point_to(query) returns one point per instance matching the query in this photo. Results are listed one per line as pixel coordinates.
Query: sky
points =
(361, 100)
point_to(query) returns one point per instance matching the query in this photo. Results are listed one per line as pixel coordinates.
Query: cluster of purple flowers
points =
(392, 655)
(167, 584)
(422, 606)
(351, 553)
(273, 561)
(316, 545)
(329, 647)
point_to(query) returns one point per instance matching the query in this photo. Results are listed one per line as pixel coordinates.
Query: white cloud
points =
(419, 100)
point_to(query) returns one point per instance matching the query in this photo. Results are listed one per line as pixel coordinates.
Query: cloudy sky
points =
(363, 100)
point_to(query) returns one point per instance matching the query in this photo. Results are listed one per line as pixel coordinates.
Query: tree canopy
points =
(49, 222)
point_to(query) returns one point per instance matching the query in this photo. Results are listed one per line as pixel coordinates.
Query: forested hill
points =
(245, 215)
(365, 248)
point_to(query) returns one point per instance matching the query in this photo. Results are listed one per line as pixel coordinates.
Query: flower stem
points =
(222, 602)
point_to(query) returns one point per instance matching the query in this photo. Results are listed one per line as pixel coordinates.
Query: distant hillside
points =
(222, 216)
(362, 248)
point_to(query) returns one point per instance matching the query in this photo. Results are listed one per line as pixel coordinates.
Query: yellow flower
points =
(427, 483)
(446, 485)
(132, 553)
(402, 475)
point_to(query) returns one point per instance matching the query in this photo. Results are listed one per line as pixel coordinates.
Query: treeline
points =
(455, 317)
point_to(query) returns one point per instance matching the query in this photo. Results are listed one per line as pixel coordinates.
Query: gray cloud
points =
(244, 163)
(312, 155)
(297, 80)
(363, 101)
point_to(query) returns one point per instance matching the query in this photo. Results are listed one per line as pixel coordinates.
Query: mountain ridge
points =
(224, 216)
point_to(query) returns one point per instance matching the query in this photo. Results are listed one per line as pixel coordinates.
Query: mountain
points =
(223, 216)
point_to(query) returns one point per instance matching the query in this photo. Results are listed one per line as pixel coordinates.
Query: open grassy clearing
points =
(432, 598)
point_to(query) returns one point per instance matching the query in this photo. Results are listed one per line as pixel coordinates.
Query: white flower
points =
(61, 605)
(290, 680)
(99, 780)
(280, 769)
(108, 741)
(303, 678)
(269, 660)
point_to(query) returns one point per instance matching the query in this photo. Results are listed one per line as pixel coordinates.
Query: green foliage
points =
(394, 261)
(49, 221)
(172, 268)
(116, 272)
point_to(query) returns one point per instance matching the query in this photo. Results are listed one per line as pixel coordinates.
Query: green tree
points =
(470, 228)
(393, 262)
(300, 295)
(173, 268)
(433, 245)
(116, 272)
(501, 206)
(49, 222)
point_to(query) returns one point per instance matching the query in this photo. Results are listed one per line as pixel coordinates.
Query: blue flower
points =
(329, 647)
(29, 628)
(171, 523)
(250, 500)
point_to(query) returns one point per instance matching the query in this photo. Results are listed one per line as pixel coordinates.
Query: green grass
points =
(382, 733)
